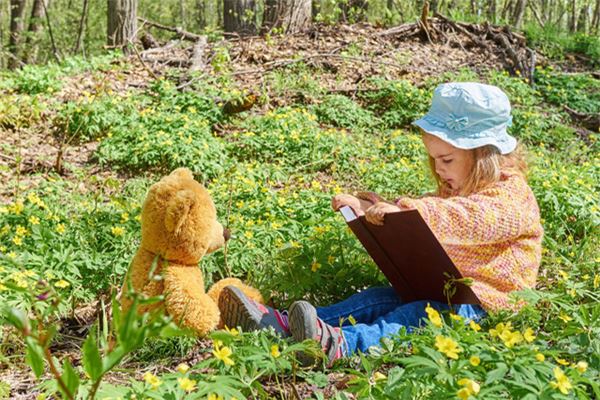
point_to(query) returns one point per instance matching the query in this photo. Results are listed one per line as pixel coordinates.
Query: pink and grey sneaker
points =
(304, 324)
(238, 310)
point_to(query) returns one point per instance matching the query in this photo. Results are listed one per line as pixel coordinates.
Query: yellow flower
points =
(62, 284)
(528, 335)
(475, 361)
(183, 368)
(511, 338)
(563, 274)
(455, 317)
(433, 316)
(213, 396)
(232, 331)
(187, 384)
(249, 235)
(475, 326)
(447, 346)
(60, 228)
(117, 231)
(565, 317)
(152, 380)
(17, 240)
(463, 394)
(562, 361)
(471, 388)
(315, 266)
(12, 255)
(275, 351)
(378, 376)
(581, 366)
(124, 217)
(21, 230)
(33, 220)
(540, 357)
(17, 207)
(596, 281)
(223, 353)
(562, 382)
(500, 329)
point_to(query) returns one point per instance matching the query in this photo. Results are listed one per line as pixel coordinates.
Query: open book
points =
(410, 256)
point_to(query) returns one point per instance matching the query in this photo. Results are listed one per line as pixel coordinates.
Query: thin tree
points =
(17, 12)
(81, 30)
(519, 12)
(596, 20)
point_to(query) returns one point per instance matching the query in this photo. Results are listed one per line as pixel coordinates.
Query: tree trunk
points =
(17, 12)
(182, 13)
(583, 18)
(506, 10)
(201, 14)
(239, 16)
(290, 15)
(36, 24)
(492, 11)
(573, 18)
(518, 13)
(596, 21)
(82, 24)
(122, 23)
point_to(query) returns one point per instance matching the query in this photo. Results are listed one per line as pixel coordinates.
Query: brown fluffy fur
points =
(179, 227)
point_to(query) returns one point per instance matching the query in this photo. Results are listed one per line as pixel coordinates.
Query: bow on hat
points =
(456, 123)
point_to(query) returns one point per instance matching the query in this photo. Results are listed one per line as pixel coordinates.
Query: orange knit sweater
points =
(493, 236)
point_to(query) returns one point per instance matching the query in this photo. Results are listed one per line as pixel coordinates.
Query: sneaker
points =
(238, 310)
(304, 324)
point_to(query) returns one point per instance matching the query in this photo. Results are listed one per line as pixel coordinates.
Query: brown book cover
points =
(410, 256)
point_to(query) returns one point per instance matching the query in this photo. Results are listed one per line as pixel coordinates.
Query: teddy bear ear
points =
(178, 209)
(183, 173)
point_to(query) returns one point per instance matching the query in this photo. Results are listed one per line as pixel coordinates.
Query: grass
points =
(272, 176)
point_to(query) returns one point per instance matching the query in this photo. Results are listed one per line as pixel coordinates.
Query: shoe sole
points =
(237, 311)
(301, 330)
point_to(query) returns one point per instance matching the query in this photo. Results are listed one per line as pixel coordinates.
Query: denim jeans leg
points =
(365, 307)
(409, 315)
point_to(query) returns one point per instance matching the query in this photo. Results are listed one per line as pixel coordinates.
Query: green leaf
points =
(92, 363)
(70, 379)
(496, 374)
(18, 318)
(35, 357)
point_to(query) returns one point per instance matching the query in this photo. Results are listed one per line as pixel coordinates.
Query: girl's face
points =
(452, 164)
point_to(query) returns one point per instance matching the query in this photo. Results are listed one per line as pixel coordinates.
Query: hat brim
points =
(505, 144)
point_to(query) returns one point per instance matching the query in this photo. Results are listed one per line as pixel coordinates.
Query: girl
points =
(484, 214)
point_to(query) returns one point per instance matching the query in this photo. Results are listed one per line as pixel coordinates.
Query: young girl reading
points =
(484, 215)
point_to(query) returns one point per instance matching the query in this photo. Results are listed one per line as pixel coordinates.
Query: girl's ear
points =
(178, 209)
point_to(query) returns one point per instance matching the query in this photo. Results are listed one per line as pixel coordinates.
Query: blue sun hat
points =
(469, 115)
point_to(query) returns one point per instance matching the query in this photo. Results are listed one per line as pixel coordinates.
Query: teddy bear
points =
(179, 227)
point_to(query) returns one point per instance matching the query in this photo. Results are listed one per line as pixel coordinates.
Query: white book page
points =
(348, 213)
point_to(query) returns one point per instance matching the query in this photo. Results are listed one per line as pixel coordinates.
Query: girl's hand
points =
(342, 200)
(376, 213)
(370, 196)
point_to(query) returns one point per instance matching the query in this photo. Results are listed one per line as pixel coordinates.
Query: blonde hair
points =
(488, 164)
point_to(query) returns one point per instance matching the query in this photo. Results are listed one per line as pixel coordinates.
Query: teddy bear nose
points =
(226, 233)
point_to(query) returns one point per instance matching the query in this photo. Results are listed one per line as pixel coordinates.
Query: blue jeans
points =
(379, 313)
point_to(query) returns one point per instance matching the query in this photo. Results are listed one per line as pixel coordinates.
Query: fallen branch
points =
(182, 33)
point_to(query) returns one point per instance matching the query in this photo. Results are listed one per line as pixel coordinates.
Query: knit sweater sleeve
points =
(496, 214)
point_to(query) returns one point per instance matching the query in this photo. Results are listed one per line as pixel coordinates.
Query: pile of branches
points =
(509, 46)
